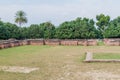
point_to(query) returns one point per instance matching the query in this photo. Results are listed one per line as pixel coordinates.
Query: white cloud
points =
(62, 12)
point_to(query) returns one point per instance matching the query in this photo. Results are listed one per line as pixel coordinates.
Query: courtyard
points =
(58, 63)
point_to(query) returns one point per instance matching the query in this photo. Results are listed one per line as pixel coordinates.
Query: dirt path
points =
(17, 69)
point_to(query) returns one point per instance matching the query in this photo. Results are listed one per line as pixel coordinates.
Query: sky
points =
(57, 11)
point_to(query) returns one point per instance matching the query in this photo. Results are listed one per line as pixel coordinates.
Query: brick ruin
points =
(51, 42)
(35, 42)
(69, 42)
(112, 42)
(55, 42)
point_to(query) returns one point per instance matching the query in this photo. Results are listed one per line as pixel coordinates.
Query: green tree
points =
(102, 23)
(64, 31)
(20, 18)
(34, 31)
(8, 30)
(77, 29)
(3, 31)
(48, 30)
(87, 29)
(13, 30)
(113, 31)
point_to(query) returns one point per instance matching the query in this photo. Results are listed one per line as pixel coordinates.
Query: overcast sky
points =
(57, 11)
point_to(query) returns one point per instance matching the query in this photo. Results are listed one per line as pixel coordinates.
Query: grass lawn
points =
(106, 56)
(58, 63)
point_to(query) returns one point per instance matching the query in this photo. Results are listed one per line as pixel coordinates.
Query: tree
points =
(48, 30)
(102, 23)
(113, 31)
(3, 31)
(13, 30)
(77, 29)
(64, 31)
(87, 29)
(34, 31)
(20, 18)
(8, 30)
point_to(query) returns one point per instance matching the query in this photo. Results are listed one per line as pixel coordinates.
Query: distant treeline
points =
(80, 28)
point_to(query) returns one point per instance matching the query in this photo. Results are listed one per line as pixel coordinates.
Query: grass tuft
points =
(106, 56)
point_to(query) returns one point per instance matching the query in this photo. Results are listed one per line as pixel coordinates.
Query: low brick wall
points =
(36, 42)
(12, 44)
(20, 42)
(82, 42)
(15, 43)
(6, 45)
(91, 42)
(1, 46)
(112, 42)
(76, 42)
(25, 42)
(52, 42)
(69, 42)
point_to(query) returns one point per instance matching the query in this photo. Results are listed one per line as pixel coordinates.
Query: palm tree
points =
(20, 18)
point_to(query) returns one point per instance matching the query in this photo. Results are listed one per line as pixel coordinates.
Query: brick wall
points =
(36, 42)
(112, 42)
(69, 42)
(82, 42)
(91, 42)
(52, 42)
(1, 45)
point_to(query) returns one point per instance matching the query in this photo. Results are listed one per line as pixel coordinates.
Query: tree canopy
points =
(80, 28)
(113, 31)
(102, 23)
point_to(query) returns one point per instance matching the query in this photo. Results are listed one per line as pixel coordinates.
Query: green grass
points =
(106, 56)
(54, 62)
(101, 43)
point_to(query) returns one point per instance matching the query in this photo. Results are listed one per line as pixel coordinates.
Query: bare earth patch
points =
(101, 75)
(17, 69)
(89, 75)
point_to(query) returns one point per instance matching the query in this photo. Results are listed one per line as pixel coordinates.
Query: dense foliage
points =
(102, 23)
(113, 30)
(77, 29)
(80, 28)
